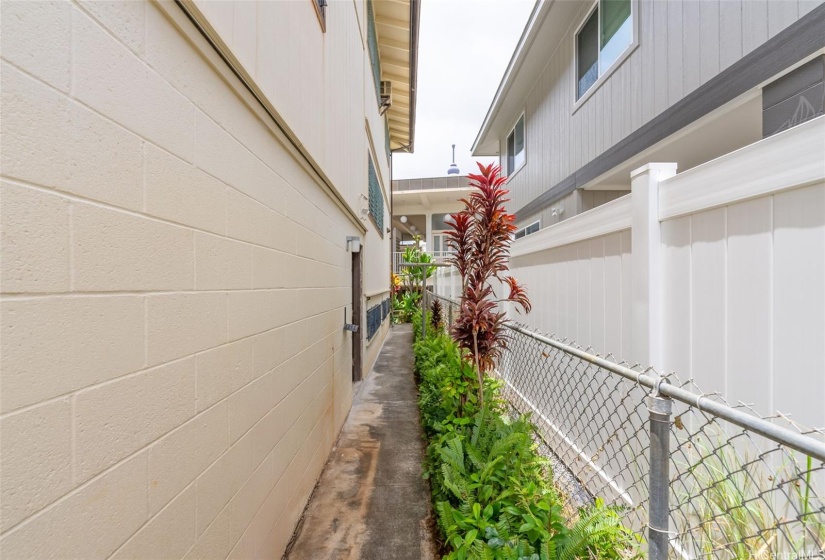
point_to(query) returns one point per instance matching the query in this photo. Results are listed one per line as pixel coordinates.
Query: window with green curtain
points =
(376, 199)
(616, 31)
(602, 39)
(372, 43)
(613, 13)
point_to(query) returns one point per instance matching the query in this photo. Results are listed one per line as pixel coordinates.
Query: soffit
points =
(396, 26)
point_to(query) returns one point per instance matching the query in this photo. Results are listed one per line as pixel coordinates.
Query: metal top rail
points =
(784, 436)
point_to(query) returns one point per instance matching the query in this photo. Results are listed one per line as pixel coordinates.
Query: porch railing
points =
(439, 257)
(699, 477)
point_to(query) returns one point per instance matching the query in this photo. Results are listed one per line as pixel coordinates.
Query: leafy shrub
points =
(437, 319)
(405, 305)
(492, 491)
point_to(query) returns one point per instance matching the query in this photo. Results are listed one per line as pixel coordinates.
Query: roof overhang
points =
(396, 24)
(429, 200)
(545, 29)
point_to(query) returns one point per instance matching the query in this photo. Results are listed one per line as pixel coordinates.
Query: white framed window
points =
(604, 37)
(515, 146)
(528, 230)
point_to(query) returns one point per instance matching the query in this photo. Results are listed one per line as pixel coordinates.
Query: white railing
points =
(438, 257)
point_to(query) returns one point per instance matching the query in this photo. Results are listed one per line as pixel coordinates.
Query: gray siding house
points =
(595, 89)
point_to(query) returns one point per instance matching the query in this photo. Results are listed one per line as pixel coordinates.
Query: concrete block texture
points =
(34, 240)
(173, 286)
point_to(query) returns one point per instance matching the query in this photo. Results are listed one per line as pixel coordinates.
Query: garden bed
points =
(492, 490)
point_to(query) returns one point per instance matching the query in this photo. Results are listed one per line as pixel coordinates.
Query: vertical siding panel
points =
(676, 290)
(730, 33)
(660, 57)
(627, 294)
(708, 299)
(590, 130)
(799, 303)
(749, 302)
(781, 15)
(754, 24)
(602, 125)
(635, 98)
(597, 281)
(553, 287)
(613, 294)
(583, 137)
(587, 200)
(709, 40)
(682, 44)
(556, 122)
(618, 108)
(674, 51)
(571, 303)
(580, 138)
(648, 62)
(691, 56)
(582, 334)
(565, 101)
(805, 6)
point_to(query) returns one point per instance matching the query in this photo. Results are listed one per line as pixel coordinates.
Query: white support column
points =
(428, 231)
(646, 276)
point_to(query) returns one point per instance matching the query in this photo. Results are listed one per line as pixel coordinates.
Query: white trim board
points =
(602, 220)
(791, 159)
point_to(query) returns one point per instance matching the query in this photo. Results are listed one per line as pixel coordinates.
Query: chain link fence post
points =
(659, 411)
(424, 305)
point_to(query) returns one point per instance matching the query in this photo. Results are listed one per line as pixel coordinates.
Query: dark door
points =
(357, 313)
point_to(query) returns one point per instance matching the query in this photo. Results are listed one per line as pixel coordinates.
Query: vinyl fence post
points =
(646, 247)
(424, 304)
(659, 411)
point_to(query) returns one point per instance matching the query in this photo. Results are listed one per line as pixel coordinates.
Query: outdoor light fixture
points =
(354, 243)
(403, 219)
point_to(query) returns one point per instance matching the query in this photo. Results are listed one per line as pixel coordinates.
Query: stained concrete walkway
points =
(371, 502)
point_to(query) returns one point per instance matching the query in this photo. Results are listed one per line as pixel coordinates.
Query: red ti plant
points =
(480, 240)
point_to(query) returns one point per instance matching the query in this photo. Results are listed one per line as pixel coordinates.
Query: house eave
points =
(539, 40)
(397, 23)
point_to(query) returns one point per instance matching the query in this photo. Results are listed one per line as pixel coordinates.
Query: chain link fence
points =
(723, 481)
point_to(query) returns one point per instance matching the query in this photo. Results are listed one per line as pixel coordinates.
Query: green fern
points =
(492, 490)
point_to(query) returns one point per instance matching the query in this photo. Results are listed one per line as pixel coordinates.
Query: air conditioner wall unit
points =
(386, 95)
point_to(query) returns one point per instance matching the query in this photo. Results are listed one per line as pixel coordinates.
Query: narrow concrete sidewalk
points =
(371, 502)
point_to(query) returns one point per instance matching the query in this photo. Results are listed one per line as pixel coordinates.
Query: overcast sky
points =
(464, 48)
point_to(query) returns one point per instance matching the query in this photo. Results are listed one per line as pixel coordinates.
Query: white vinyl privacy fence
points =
(714, 279)
(695, 476)
(716, 273)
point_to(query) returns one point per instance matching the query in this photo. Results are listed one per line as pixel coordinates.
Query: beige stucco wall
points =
(174, 279)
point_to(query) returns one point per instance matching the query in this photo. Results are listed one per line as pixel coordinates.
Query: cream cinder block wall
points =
(335, 92)
(174, 280)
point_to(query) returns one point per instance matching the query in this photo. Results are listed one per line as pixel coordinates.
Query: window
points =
(515, 147)
(376, 199)
(372, 43)
(602, 39)
(321, 12)
(376, 315)
(532, 228)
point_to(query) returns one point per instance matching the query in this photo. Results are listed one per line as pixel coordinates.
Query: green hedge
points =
(492, 491)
